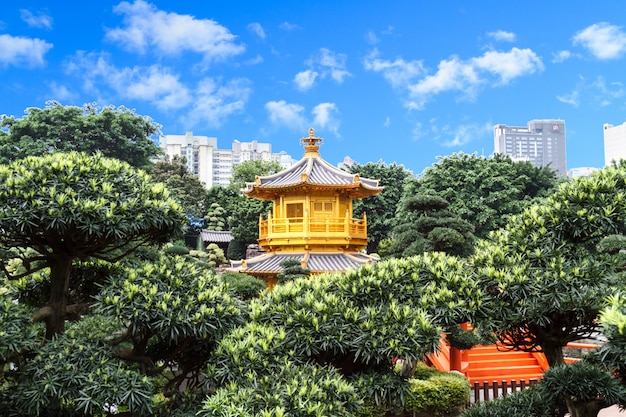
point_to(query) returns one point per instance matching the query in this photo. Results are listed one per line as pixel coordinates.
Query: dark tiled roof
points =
(269, 263)
(214, 236)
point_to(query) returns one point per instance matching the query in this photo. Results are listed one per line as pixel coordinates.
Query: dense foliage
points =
(247, 171)
(186, 188)
(547, 273)
(483, 191)
(379, 208)
(61, 207)
(434, 229)
(356, 323)
(437, 393)
(115, 132)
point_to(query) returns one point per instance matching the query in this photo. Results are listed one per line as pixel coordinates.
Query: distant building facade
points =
(542, 142)
(214, 166)
(614, 143)
(581, 172)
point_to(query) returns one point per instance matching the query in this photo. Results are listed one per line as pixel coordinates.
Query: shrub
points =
(245, 286)
(438, 394)
(531, 402)
(176, 250)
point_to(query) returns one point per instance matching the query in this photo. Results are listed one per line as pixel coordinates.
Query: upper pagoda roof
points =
(312, 172)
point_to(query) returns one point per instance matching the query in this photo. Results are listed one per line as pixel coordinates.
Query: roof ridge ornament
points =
(311, 146)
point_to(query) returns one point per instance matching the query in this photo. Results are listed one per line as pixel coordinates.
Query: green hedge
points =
(530, 402)
(437, 393)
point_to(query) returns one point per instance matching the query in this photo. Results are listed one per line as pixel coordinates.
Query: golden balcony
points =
(328, 231)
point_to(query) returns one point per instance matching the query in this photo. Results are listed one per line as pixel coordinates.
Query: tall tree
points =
(61, 207)
(379, 209)
(248, 170)
(182, 185)
(483, 191)
(115, 132)
(549, 271)
(244, 213)
(436, 229)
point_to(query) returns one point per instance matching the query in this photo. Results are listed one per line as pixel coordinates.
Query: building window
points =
(295, 211)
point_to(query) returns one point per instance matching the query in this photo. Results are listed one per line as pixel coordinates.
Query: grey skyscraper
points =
(542, 143)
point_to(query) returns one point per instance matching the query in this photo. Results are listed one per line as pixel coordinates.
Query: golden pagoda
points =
(311, 217)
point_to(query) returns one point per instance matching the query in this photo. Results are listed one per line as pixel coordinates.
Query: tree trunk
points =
(554, 354)
(60, 270)
(584, 408)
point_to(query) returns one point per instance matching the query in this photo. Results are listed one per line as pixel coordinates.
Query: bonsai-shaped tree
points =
(62, 207)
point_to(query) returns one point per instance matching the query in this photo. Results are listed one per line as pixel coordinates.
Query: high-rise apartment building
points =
(214, 166)
(542, 142)
(614, 143)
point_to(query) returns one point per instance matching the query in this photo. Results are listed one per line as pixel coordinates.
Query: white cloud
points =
(325, 117)
(371, 38)
(289, 26)
(561, 56)
(454, 74)
(452, 136)
(501, 35)
(61, 92)
(209, 102)
(324, 64)
(292, 116)
(509, 65)
(147, 28)
(287, 114)
(41, 20)
(598, 92)
(399, 72)
(603, 40)
(571, 98)
(214, 103)
(22, 51)
(387, 122)
(304, 80)
(257, 29)
(334, 63)
(153, 84)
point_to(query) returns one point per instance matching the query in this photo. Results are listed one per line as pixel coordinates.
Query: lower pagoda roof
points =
(316, 262)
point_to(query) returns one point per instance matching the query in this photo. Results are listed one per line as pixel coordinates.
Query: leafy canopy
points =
(246, 171)
(61, 207)
(482, 191)
(549, 271)
(115, 132)
(379, 207)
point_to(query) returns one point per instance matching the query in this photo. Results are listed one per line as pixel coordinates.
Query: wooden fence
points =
(488, 391)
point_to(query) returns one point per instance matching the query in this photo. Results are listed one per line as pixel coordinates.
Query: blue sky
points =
(396, 81)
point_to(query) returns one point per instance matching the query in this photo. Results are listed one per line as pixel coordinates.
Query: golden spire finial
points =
(311, 142)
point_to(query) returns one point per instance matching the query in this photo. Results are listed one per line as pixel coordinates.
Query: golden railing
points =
(311, 226)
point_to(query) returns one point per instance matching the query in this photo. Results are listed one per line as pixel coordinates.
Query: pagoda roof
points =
(215, 236)
(316, 262)
(312, 172)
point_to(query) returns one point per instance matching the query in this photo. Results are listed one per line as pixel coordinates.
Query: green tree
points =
(355, 323)
(152, 330)
(483, 191)
(434, 229)
(292, 270)
(215, 218)
(245, 223)
(379, 208)
(244, 213)
(247, 171)
(115, 132)
(548, 273)
(62, 207)
(182, 185)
